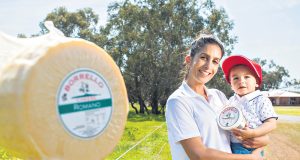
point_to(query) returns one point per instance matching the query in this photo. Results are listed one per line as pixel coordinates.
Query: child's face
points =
(242, 80)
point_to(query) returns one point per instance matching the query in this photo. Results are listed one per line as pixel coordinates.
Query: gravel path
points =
(281, 148)
(288, 118)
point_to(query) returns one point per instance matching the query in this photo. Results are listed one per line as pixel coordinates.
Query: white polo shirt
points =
(255, 107)
(188, 115)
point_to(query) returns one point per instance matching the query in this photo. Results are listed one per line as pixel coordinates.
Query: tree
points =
(273, 74)
(149, 40)
(292, 82)
(80, 24)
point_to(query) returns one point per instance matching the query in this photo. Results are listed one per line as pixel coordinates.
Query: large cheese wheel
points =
(60, 98)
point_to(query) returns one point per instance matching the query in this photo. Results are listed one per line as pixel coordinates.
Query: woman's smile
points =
(204, 72)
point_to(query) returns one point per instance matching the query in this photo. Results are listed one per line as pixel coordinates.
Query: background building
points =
(284, 98)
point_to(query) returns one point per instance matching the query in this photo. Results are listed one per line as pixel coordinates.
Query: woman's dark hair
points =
(201, 41)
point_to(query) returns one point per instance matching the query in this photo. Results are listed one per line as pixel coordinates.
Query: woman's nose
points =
(208, 65)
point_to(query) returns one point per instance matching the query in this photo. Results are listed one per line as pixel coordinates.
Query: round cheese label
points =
(229, 116)
(84, 103)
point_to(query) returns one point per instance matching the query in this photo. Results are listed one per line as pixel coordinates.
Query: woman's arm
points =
(265, 128)
(256, 142)
(196, 150)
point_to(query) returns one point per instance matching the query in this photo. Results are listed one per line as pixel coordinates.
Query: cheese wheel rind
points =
(29, 87)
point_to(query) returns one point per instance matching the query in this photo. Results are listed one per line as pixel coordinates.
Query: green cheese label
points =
(84, 103)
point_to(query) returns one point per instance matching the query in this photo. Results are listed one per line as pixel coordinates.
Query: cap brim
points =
(236, 60)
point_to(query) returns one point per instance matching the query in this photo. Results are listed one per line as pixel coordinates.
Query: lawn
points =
(285, 142)
(294, 111)
(145, 137)
(5, 155)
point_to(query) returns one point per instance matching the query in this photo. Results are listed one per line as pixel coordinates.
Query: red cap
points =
(232, 61)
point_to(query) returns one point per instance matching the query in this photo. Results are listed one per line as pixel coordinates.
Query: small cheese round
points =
(231, 117)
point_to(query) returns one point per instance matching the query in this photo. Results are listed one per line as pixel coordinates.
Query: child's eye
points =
(235, 78)
(247, 76)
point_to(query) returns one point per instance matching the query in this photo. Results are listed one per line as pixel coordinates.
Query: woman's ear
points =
(188, 59)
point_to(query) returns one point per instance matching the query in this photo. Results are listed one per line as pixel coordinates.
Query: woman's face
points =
(204, 65)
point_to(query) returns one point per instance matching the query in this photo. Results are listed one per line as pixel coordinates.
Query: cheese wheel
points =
(60, 98)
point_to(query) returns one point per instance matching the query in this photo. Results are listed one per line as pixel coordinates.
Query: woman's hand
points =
(257, 154)
(256, 142)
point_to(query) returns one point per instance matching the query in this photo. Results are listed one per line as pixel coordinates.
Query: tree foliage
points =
(74, 24)
(273, 74)
(292, 82)
(149, 40)
(82, 23)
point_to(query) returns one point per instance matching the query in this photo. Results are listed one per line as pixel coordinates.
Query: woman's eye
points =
(216, 62)
(204, 58)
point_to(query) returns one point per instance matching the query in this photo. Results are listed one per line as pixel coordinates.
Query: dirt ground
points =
(282, 149)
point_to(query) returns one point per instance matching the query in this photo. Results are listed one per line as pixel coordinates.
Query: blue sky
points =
(269, 29)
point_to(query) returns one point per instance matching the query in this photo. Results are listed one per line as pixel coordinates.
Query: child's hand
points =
(242, 134)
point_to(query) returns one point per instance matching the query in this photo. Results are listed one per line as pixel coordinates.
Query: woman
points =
(192, 109)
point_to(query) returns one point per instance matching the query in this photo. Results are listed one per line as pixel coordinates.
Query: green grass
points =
(287, 133)
(290, 130)
(294, 111)
(155, 146)
(5, 155)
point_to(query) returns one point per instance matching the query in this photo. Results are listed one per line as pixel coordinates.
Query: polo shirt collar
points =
(188, 91)
(249, 96)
